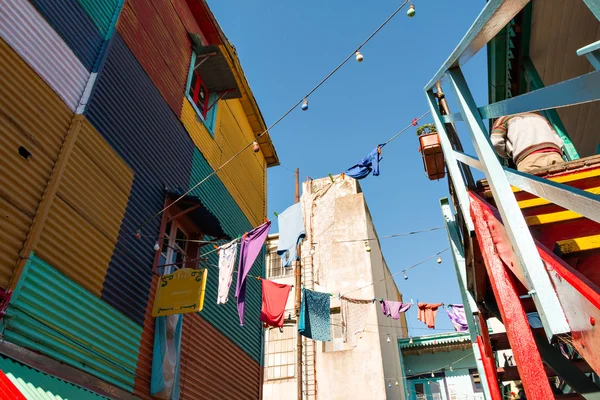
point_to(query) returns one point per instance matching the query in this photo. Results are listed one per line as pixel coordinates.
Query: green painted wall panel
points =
(51, 314)
(40, 386)
(101, 12)
(224, 317)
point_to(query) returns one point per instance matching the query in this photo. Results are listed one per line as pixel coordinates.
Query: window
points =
(203, 101)
(337, 338)
(280, 357)
(476, 380)
(276, 268)
(174, 248)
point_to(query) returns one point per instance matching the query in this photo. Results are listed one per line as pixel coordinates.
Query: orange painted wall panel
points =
(212, 366)
(156, 36)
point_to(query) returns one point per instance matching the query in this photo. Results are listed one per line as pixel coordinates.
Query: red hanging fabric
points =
(274, 299)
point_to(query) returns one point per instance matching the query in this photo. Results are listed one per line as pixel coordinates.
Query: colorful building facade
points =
(109, 113)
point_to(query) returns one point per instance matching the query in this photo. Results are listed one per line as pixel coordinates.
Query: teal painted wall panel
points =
(101, 12)
(224, 317)
(51, 314)
(40, 386)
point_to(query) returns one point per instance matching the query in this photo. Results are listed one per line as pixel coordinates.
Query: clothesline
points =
(285, 114)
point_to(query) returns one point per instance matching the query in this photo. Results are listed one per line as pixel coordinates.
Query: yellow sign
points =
(180, 292)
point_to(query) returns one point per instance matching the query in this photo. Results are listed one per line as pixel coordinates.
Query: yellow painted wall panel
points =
(75, 247)
(23, 180)
(245, 176)
(84, 222)
(103, 155)
(14, 225)
(30, 103)
(90, 189)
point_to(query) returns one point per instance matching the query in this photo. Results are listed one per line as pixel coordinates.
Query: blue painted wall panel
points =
(129, 112)
(75, 27)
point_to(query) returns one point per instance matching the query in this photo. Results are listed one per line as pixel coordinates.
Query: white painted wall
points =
(335, 213)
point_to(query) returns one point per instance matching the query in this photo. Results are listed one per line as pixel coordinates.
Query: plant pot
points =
(433, 156)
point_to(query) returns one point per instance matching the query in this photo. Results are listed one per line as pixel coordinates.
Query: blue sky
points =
(286, 48)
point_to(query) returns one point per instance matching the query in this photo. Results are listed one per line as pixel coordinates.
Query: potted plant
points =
(431, 150)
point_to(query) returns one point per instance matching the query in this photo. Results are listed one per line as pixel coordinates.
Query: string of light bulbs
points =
(304, 107)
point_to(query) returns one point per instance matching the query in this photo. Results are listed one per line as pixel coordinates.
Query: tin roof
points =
(442, 341)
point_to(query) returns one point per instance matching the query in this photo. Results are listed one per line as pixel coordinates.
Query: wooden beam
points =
(41, 214)
(62, 371)
(492, 19)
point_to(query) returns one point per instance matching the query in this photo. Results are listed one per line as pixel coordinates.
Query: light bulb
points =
(410, 341)
(397, 383)
(451, 368)
(432, 374)
(389, 384)
(312, 251)
(388, 339)
(255, 147)
(405, 276)
(156, 246)
(359, 56)
(138, 235)
(411, 11)
(439, 260)
(304, 105)
(428, 382)
(367, 247)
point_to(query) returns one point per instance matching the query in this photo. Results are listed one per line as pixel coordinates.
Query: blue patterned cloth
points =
(314, 316)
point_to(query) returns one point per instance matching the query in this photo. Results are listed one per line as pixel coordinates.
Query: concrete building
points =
(440, 367)
(339, 255)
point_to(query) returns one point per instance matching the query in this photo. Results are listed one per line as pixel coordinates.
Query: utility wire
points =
(407, 127)
(390, 236)
(278, 120)
(397, 273)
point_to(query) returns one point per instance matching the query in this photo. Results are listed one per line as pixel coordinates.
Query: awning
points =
(214, 69)
(199, 214)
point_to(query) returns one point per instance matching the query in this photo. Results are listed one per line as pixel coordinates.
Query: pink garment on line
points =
(394, 308)
(427, 313)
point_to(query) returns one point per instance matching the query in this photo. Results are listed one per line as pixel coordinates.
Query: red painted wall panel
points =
(158, 39)
(212, 367)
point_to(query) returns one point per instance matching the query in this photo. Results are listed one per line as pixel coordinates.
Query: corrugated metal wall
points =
(159, 41)
(90, 206)
(101, 12)
(30, 35)
(212, 366)
(38, 127)
(244, 176)
(217, 199)
(212, 358)
(51, 314)
(39, 386)
(74, 26)
(131, 115)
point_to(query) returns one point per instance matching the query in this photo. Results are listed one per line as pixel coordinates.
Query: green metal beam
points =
(594, 6)
(535, 82)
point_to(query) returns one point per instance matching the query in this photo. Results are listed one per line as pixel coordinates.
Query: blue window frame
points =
(204, 102)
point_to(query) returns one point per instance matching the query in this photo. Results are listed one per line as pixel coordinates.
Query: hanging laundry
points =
(252, 243)
(370, 163)
(291, 233)
(354, 318)
(274, 299)
(394, 308)
(227, 255)
(457, 316)
(314, 316)
(427, 313)
(166, 357)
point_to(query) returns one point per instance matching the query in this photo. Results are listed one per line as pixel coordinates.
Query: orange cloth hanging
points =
(427, 313)
(274, 299)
